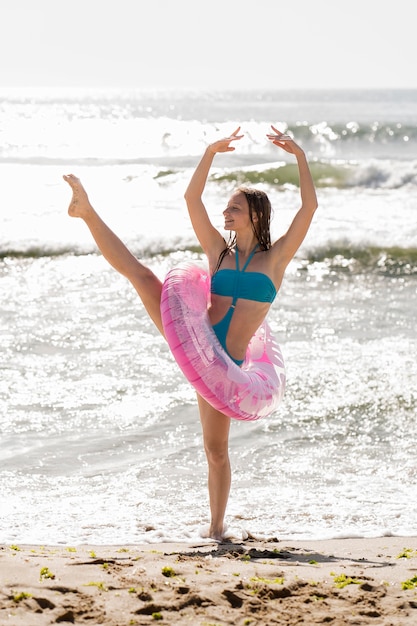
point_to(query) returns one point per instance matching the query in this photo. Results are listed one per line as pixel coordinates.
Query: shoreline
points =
(338, 581)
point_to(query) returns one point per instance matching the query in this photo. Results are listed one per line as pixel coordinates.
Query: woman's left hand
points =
(284, 141)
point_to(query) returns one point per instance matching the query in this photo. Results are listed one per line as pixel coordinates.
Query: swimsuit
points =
(239, 284)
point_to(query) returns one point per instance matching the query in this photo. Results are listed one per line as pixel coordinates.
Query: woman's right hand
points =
(223, 145)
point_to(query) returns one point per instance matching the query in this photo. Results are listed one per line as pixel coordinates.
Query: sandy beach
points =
(343, 581)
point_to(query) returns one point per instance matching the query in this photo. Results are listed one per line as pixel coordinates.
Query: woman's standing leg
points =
(145, 282)
(216, 427)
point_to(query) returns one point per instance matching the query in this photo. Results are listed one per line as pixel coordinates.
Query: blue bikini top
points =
(240, 284)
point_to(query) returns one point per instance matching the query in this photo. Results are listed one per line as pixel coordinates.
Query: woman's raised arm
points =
(289, 243)
(208, 236)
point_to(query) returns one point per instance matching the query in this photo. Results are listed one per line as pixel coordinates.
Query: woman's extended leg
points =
(216, 428)
(115, 252)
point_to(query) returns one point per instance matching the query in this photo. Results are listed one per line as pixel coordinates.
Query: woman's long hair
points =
(259, 205)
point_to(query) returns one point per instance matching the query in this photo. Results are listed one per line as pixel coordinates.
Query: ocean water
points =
(100, 436)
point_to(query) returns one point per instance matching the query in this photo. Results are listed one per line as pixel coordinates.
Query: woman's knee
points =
(146, 283)
(149, 289)
(216, 428)
(217, 453)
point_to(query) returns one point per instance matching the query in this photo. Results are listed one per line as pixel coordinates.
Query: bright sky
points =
(208, 43)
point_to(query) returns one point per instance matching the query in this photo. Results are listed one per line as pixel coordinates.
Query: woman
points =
(235, 315)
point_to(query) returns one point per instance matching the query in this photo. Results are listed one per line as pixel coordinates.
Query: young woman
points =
(237, 306)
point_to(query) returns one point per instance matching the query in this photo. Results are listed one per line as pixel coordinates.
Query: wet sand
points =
(338, 582)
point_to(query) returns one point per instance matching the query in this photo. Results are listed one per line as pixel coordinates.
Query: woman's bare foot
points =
(218, 537)
(208, 532)
(80, 205)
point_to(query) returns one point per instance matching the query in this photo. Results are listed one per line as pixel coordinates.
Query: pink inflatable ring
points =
(244, 393)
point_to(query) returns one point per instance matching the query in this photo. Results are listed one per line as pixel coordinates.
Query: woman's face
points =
(236, 214)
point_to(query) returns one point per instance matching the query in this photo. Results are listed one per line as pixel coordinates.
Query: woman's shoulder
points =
(216, 255)
(273, 263)
(276, 251)
(268, 257)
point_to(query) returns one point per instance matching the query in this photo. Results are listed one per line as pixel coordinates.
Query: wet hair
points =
(259, 205)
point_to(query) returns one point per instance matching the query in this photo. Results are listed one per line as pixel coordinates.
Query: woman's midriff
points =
(246, 318)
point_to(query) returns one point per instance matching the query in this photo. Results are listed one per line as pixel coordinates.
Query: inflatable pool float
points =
(249, 392)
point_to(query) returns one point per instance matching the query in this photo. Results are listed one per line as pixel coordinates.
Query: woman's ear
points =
(254, 217)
